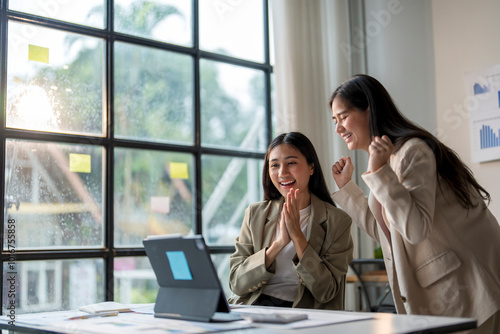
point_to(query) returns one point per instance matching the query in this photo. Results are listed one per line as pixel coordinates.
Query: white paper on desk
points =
(45, 318)
(315, 318)
(140, 323)
(186, 326)
(143, 308)
(105, 307)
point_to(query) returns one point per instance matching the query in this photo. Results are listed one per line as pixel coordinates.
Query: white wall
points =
(399, 52)
(400, 55)
(397, 45)
(466, 37)
(420, 51)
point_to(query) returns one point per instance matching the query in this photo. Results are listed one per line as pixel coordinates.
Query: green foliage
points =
(222, 118)
(78, 99)
(142, 16)
(140, 296)
(378, 253)
(153, 100)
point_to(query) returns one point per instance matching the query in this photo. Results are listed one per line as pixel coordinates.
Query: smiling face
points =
(288, 168)
(352, 125)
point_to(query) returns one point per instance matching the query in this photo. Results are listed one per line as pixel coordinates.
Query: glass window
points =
(154, 99)
(229, 186)
(274, 116)
(162, 20)
(88, 12)
(233, 28)
(272, 55)
(221, 264)
(153, 194)
(54, 194)
(135, 280)
(232, 106)
(54, 81)
(153, 123)
(52, 285)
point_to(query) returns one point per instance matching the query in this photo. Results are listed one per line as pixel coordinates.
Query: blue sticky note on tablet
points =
(179, 265)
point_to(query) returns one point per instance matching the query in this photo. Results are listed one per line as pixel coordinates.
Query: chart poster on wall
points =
(483, 100)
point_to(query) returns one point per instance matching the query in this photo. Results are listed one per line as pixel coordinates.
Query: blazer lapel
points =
(315, 233)
(272, 220)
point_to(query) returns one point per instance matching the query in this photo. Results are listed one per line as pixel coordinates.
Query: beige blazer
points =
(441, 258)
(321, 270)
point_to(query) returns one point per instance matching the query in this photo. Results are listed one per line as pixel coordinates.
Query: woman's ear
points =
(311, 172)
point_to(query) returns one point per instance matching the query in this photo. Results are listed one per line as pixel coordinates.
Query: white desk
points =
(379, 323)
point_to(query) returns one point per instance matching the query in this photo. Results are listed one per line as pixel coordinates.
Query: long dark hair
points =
(317, 184)
(363, 92)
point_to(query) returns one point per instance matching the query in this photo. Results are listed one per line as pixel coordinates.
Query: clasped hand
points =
(289, 229)
(289, 224)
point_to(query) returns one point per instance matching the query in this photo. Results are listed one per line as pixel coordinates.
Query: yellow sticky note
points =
(38, 53)
(178, 170)
(79, 163)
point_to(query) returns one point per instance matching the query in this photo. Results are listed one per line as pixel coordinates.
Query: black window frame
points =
(108, 253)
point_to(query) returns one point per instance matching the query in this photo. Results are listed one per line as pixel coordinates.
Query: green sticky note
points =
(79, 163)
(179, 170)
(38, 53)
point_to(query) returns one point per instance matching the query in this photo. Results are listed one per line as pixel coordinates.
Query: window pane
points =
(153, 98)
(54, 81)
(54, 194)
(272, 56)
(52, 285)
(232, 106)
(274, 109)
(233, 28)
(88, 12)
(229, 186)
(163, 20)
(153, 194)
(221, 264)
(135, 281)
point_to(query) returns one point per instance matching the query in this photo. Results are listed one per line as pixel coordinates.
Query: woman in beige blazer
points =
(441, 244)
(294, 247)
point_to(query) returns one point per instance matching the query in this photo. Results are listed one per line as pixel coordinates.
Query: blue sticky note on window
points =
(179, 265)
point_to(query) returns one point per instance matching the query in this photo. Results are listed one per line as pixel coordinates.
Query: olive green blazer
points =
(322, 269)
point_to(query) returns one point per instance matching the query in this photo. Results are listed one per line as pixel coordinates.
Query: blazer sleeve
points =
(248, 267)
(407, 190)
(322, 273)
(354, 201)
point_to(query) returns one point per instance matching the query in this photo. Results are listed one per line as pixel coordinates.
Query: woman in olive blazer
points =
(439, 239)
(321, 271)
(315, 267)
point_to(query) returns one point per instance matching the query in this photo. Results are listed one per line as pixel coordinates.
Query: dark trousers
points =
(265, 300)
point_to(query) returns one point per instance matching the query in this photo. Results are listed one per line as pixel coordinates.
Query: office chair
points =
(371, 272)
